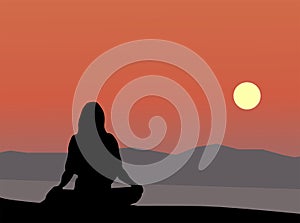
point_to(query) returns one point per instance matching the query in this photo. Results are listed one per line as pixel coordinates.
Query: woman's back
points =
(88, 177)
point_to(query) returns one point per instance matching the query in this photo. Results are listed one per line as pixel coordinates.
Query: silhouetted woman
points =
(91, 185)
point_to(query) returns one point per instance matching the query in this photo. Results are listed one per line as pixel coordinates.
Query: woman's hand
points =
(54, 190)
(138, 188)
(52, 194)
(57, 188)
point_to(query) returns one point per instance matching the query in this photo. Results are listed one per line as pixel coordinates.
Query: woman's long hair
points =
(90, 136)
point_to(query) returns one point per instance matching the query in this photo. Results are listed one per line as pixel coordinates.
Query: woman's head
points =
(91, 116)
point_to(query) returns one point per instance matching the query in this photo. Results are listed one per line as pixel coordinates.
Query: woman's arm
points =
(122, 174)
(65, 179)
(69, 167)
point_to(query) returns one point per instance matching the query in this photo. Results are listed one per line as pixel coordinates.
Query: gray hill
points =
(231, 168)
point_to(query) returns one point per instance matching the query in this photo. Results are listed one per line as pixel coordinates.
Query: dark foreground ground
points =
(18, 211)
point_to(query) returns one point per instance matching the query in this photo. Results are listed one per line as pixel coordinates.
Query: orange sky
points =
(46, 45)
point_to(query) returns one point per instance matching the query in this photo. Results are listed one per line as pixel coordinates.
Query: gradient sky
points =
(46, 45)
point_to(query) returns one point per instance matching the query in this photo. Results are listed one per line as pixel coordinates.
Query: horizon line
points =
(139, 149)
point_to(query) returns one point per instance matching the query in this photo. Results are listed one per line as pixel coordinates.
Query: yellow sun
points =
(246, 95)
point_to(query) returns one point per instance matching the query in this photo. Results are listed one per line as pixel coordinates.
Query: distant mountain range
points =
(231, 168)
